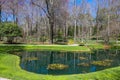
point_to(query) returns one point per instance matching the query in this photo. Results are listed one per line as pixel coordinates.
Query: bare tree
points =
(52, 11)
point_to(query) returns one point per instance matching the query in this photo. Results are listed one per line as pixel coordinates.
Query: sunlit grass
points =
(43, 47)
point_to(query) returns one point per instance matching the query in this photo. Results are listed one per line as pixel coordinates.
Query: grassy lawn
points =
(95, 46)
(43, 47)
(9, 65)
(88, 47)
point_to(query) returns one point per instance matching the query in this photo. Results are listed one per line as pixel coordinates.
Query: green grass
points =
(59, 48)
(96, 46)
(9, 64)
(43, 47)
(9, 68)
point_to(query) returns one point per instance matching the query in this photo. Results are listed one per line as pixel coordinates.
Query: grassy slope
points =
(9, 65)
(9, 68)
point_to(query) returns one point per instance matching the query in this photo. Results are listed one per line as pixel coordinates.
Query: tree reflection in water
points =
(77, 62)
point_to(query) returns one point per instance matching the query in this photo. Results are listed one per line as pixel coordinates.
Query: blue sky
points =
(78, 2)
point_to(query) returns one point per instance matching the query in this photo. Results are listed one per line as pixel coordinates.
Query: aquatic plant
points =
(84, 64)
(57, 66)
(82, 58)
(31, 58)
(105, 62)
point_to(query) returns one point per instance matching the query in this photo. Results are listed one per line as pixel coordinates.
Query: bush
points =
(81, 44)
(43, 38)
(10, 30)
(70, 41)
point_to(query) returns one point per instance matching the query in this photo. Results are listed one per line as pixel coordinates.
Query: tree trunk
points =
(65, 32)
(106, 39)
(75, 22)
(51, 31)
(75, 32)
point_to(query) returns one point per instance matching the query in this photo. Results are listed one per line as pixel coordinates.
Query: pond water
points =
(58, 63)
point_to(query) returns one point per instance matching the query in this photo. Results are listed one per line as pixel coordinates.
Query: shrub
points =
(81, 44)
(70, 41)
(10, 30)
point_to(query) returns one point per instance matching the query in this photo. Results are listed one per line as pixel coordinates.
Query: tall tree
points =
(75, 21)
(52, 9)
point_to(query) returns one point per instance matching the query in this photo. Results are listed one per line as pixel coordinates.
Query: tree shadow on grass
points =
(11, 48)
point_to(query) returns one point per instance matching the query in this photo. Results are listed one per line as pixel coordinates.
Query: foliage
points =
(43, 38)
(59, 34)
(81, 43)
(70, 41)
(10, 30)
(71, 31)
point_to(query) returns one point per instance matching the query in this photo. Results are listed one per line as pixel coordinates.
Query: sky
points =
(78, 2)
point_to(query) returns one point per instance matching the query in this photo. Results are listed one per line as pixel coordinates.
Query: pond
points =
(61, 63)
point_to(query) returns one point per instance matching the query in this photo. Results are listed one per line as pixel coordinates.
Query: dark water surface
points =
(82, 62)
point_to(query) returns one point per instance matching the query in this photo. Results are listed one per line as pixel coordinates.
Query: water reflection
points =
(38, 61)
